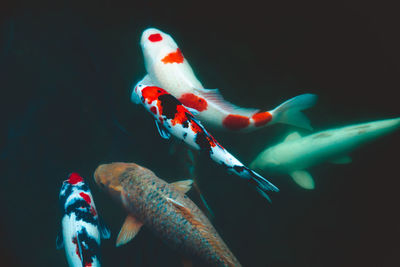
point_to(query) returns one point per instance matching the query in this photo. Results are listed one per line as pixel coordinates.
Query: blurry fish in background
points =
(165, 210)
(174, 118)
(81, 226)
(297, 153)
(166, 67)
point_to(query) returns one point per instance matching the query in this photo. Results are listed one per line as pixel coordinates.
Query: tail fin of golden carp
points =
(289, 112)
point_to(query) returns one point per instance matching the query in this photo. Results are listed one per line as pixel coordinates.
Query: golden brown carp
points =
(165, 209)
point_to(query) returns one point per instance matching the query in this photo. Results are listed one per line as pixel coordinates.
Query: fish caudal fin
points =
(262, 184)
(289, 112)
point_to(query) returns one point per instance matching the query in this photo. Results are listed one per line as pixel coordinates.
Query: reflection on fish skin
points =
(81, 226)
(165, 209)
(297, 153)
(168, 68)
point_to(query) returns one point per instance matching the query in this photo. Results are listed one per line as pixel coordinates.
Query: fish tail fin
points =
(289, 112)
(262, 184)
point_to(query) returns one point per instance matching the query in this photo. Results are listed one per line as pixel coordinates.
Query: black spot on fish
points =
(89, 246)
(81, 209)
(184, 135)
(239, 169)
(169, 105)
(203, 142)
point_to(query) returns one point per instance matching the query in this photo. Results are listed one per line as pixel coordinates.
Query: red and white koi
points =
(173, 118)
(81, 226)
(167, 68)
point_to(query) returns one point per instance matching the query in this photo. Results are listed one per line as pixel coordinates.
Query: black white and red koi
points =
(81, 226)
(169, 69)
(174, 118)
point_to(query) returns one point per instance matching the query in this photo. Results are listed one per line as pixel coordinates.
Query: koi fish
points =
(81, 226)
(167, 68)
(296, 153)
(165, 209)
(174, 118)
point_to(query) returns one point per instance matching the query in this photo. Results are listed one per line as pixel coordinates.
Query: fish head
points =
(136, 96)
(107, 178)
(74, 179)
(266, 160)
(156, 45)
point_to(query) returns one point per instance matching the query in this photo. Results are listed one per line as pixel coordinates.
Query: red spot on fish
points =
(154, 110)
(155, 37)
(236, 122)
(75, 241)
(180, 115)
(88, 264)
(86, 197)
(151, 93)
(174, 57)
(93, 211)
(195, 127)
(261, 118)
(74, 178)
(193, 101)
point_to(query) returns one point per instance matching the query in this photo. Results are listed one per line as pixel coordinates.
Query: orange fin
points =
(129, 230)
(186, 213)
(182, 186)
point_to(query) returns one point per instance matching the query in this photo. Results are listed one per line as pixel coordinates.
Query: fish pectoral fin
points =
(342, 160)
(292, 136)
(129, 230)
(59, 241)
(105, 232)
(163, 132)
(303, 179)
(182, 186)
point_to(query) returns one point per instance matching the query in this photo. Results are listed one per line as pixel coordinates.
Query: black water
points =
(66, 69)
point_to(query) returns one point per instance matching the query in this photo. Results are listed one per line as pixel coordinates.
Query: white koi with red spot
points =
(167, 68)
(173, 118)
(81, 226)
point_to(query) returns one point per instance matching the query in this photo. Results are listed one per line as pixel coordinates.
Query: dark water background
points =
(66, 69)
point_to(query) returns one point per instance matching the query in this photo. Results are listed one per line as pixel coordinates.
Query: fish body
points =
(81, 228)
(173, 118)
(164, 209)
(296, 153)
(167, 68)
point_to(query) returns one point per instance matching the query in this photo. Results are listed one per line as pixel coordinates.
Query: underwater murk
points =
(293, 161)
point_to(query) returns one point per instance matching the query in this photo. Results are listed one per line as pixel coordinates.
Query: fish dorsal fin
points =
(215, 96)
(186, 213)
(192, 110)
(303, 179)
(129, 230)
(182, 186)
(292, 136)
(342, 160)
(78, 243)
(163, 132)
(59, 241)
